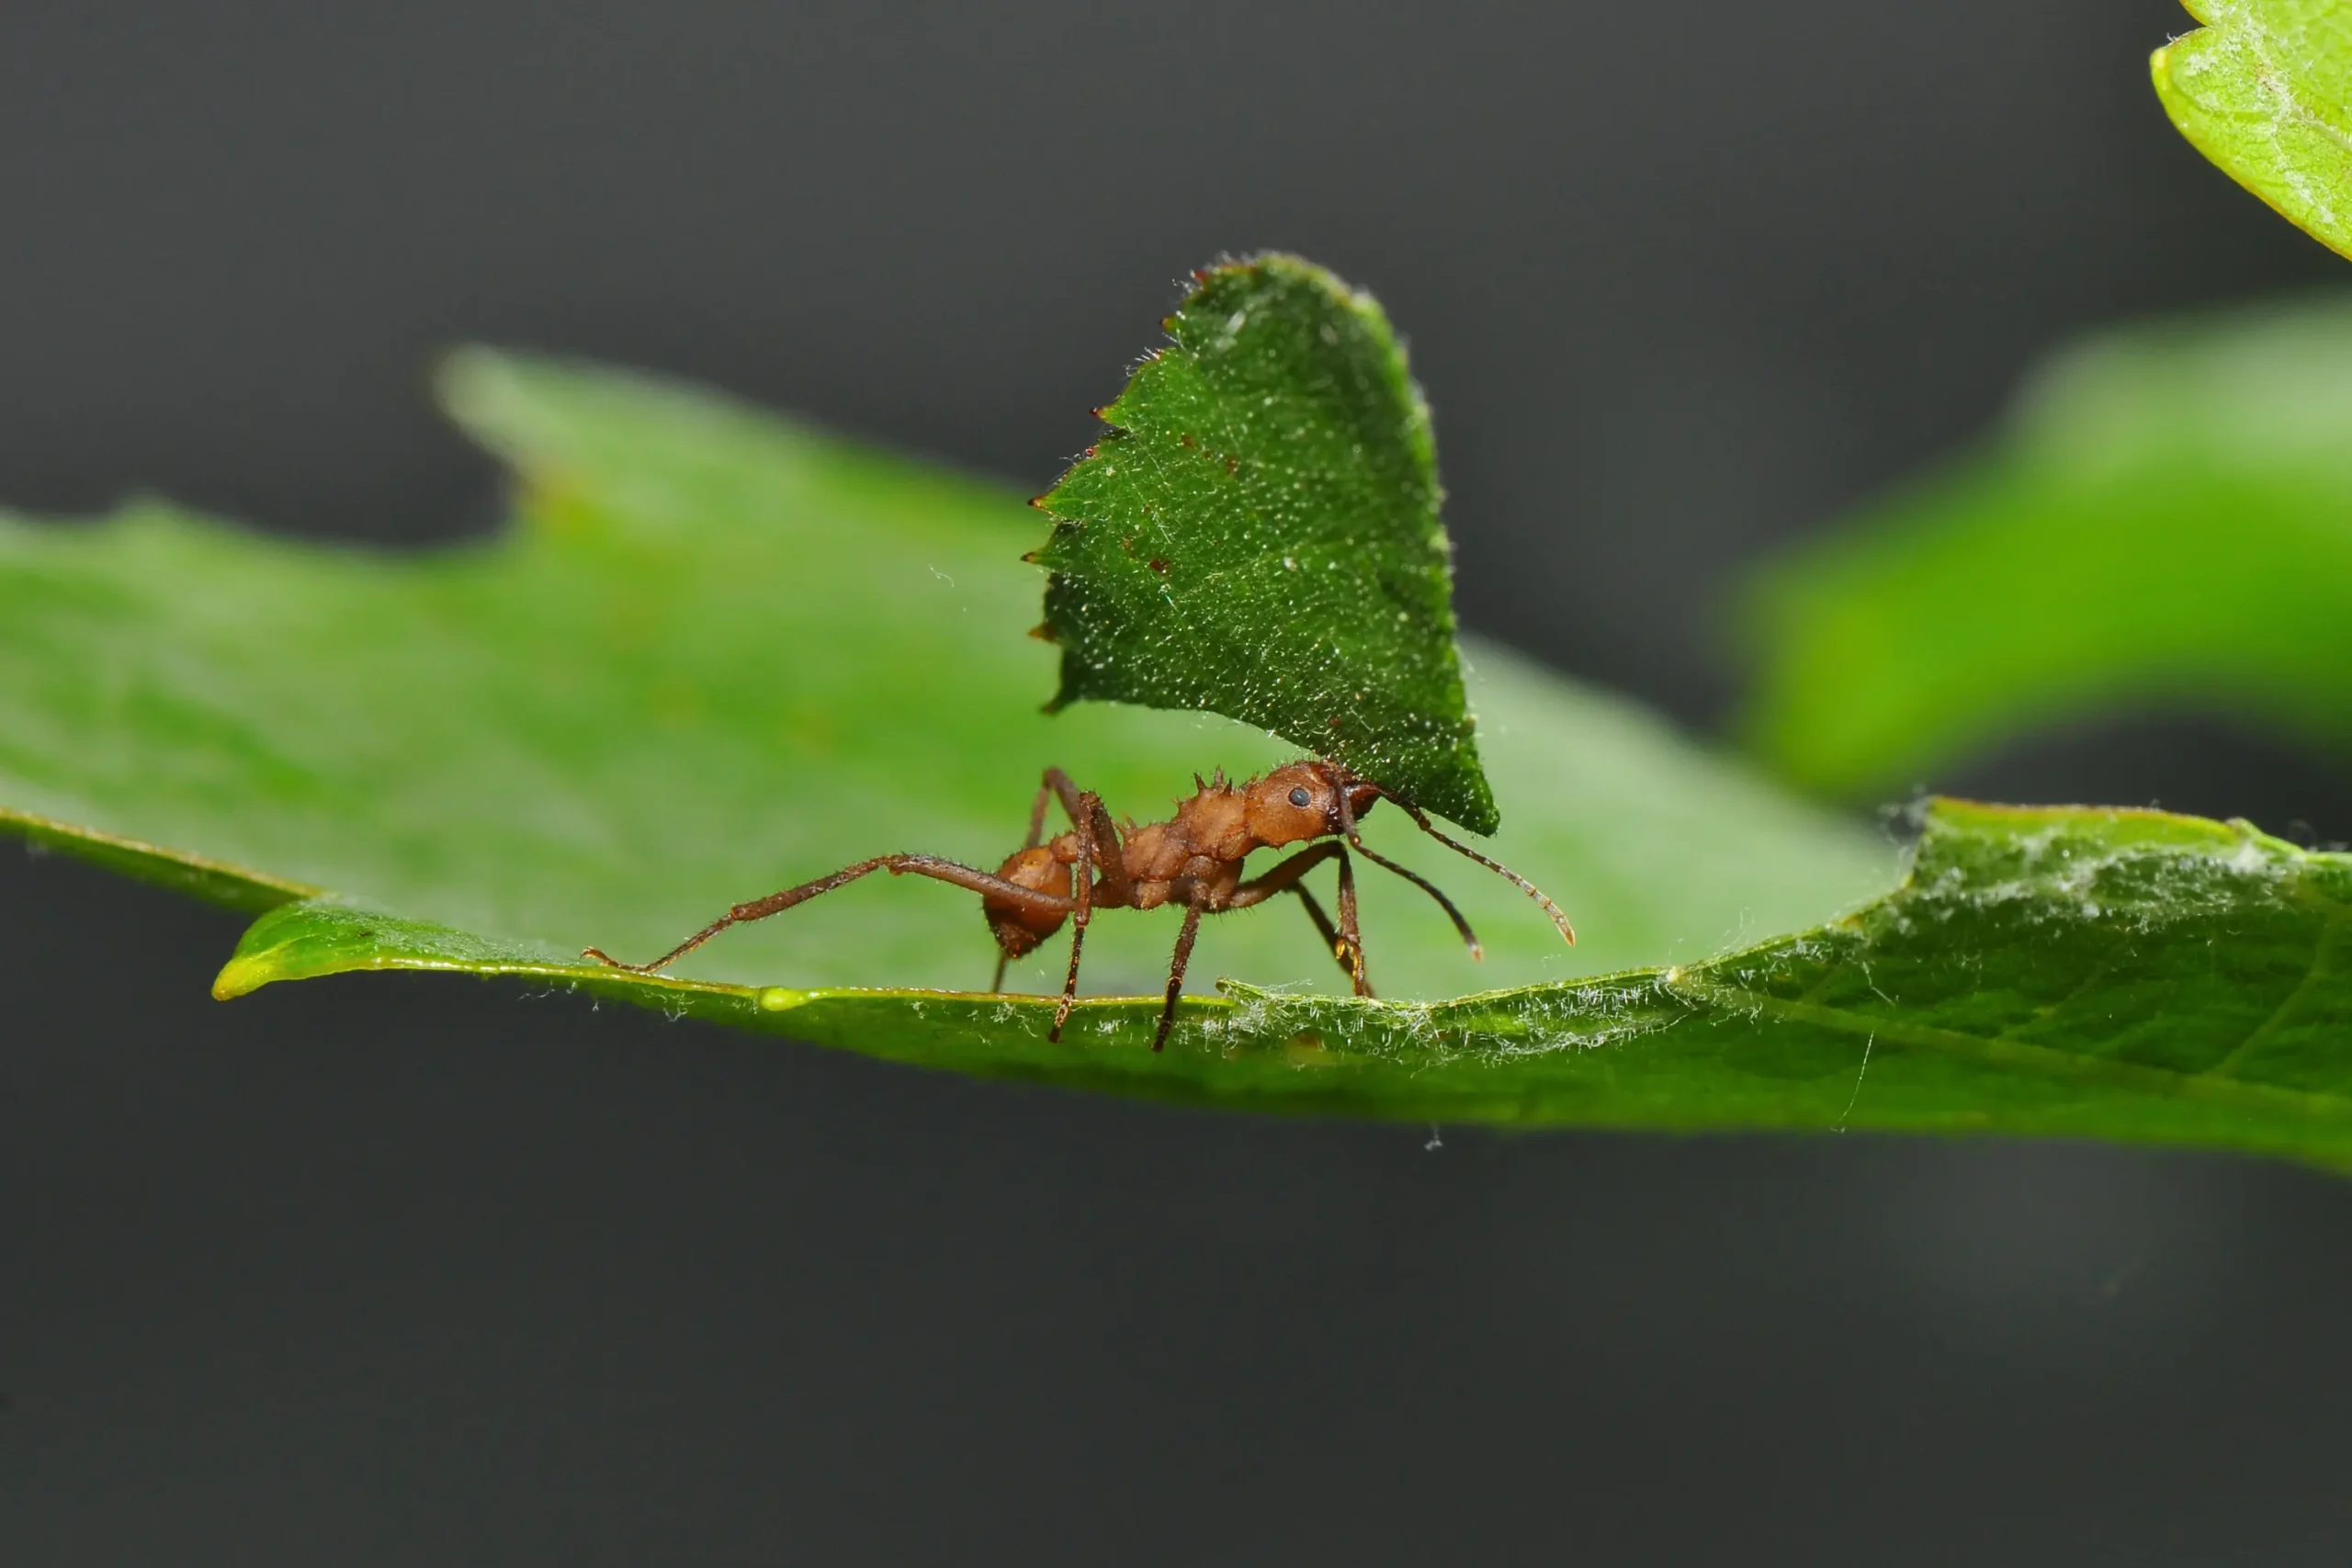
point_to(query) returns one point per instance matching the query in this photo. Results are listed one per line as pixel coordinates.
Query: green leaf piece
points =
(1257, 534)
(717, 654)
(2114, 973)
(2165, 521)
(2265, 90)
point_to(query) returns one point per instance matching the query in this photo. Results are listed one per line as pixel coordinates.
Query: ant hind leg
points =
(933, 866)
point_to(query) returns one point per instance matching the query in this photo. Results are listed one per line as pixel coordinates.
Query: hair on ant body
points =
(1193, 859)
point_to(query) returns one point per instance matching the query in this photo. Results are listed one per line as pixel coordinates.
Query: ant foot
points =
(609, 962)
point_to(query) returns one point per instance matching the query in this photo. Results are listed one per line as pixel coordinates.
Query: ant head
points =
(1305, 800)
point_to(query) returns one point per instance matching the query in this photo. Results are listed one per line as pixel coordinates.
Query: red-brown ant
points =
(1192, 860)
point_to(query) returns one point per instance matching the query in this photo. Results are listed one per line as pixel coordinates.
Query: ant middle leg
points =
(1176, 967)
(933, 866)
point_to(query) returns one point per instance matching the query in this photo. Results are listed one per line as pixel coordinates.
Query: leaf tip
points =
(242, 976)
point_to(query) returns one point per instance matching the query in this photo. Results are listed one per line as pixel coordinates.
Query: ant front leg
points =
(1332, 943)
(1346, 942)
(1351, 927)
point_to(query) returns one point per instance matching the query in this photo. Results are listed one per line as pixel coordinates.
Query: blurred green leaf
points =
(720, 654)
(2114, 973)
(2265, 90)
(1257, 534)
(2165, 521)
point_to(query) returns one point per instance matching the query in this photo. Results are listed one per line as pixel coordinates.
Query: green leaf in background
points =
(1257, 534)
(2115, 973)
(2265, 90)
(719, 654)
(2165, 521)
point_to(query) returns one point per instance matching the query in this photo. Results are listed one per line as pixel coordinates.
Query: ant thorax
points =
(1195, 856)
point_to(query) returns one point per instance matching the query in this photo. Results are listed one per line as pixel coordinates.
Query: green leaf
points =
(2114, 973)
(1257, 534)
(2265, 90)
(2165, 521)
(719, 654)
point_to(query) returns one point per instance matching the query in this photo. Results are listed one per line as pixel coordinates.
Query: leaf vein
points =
(2165, 1081)
(2320, 969)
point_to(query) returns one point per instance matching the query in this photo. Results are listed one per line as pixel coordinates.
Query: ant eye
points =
(1299, 797)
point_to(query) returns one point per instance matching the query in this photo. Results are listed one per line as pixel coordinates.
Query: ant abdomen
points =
(1018, 929)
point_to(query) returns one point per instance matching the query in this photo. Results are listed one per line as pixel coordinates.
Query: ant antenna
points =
(1347, 829)
(1422, 819)
(1469, 937)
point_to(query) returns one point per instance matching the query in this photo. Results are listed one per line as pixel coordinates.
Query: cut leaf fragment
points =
(2265, 90)
(1257, 534)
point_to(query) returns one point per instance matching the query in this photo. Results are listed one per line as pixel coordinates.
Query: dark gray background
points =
(405, 1271)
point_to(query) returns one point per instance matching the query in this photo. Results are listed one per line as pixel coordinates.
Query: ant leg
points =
(931, 866)
(1348, 831)
(1281, 878)
(1109, 853)
(1350, 929)
(1287, 877)
(1346, 942)
(1037, 831)
(1176, 972)
(1323, 926)
(1038, 810)
(1080, 921)
(1469, 937)
(1087, 814)
(1061, 784)
(1333, 944)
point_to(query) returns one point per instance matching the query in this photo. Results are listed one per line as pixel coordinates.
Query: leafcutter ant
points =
(1192, 860)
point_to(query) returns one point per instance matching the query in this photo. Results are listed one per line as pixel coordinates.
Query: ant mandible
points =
(1192, 860)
